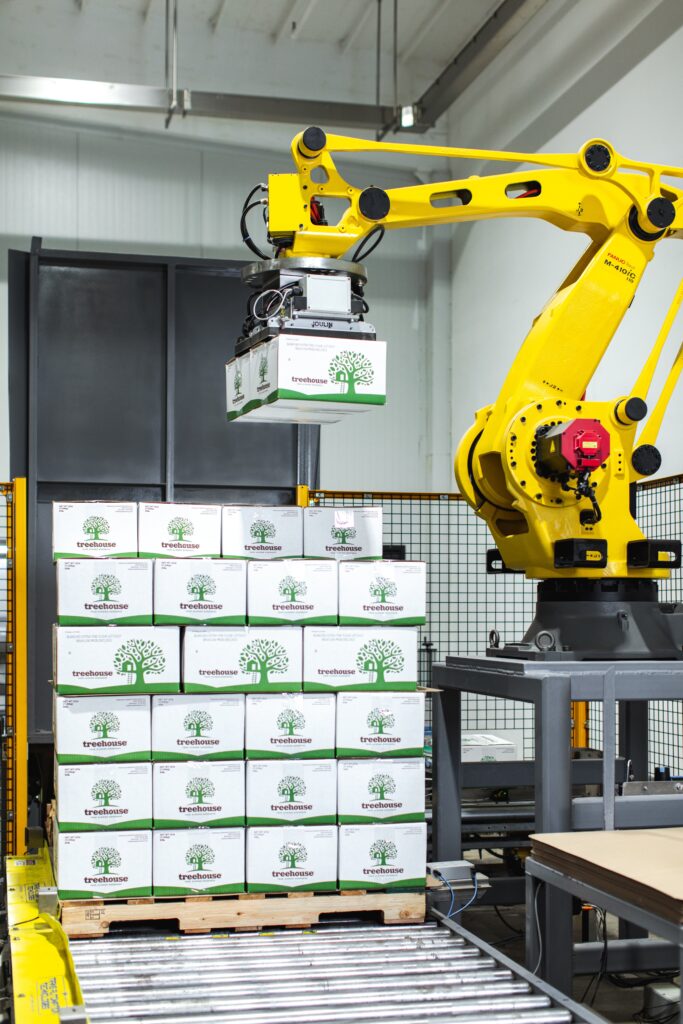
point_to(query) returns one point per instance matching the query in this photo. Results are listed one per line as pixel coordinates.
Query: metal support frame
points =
(15, 782)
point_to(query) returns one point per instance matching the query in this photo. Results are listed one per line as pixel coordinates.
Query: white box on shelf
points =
(364, 658)
(192, 793)
(292, 792)
(198, 727)
(262, 531)
(93, 865)
(295, 725)
(382, 593)
(292, 857)
(198, 860)
(295, 592)
(98, 797)
(115, 592)
(192, 592)
(390, 790)
(178, 530)
(382, 856)
(341, 533)
(101, 729)
(116, 659)
(384, 725)
(485, 746)
(94, 529)
(242, 659)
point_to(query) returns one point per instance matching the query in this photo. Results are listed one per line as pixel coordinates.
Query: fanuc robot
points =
(551, 473)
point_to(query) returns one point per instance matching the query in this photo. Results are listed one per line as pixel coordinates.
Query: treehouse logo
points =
(199, 790)
(199, 588)
(380, 658)
(104, 862)
(137, 659)
(104, 793)
(237, 381)
(380, 721)
(103, 588)
(102, 725)
(263, 383)
(350, 369)
(179, 528)
(261, 659)
(197, 724)
(263, 532)
(290, 722)
(381, 853)
(292, 855)
(95, 528)
(292, 591)
(381, 786)
(381, 592)
(198, 856)
(291, 788)
(341, 535)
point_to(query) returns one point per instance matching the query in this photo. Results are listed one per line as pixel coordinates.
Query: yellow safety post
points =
(302, 495)
(580, 723)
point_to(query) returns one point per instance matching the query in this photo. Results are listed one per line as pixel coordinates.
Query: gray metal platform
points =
(340, 974)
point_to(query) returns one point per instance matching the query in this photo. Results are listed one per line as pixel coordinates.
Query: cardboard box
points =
(382, 856)
(100, 593)
(341, 533)
(242, 659)
(171, 530)
(93, 865)
(97, 797)
(292, 792)
(292, 592)
(101, 729)
(366, 658)
(198, 727)
(262, 531)
(237, 385)
(484, 746)
(94, 529)
(382, 790)
(290, 725)
(116, 659)
(198, 860)
(197, 592)
(292, 857)
(382, 593)
(191, 793)
(380, 725)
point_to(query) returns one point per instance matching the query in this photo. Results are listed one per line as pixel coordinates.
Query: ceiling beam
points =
(296, 16)
(350, 38)
(424, 29)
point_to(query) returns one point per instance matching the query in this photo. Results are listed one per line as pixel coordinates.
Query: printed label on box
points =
(100, 593)
(360, 659)
(382, 593)
(262, 531)
(380, 725)
(326, 370)
(198, 860)
(382, 856)
(197, 592)
(343, 533)
(199, 793)
(90, 865)
(198, 727)
(293, 592)
(237, 385)
(101, 729)
(290, 725)
(93, 797)
(94, 529)
(116, 659)
(292, 792)
(386, 790)
(179, 531)
(485, 746)
(243, 659)
(296, 857)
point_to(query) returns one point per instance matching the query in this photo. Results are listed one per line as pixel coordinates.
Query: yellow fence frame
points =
(16, 694)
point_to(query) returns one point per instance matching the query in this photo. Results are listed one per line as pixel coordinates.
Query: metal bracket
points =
(48, 902)
(73, 1014)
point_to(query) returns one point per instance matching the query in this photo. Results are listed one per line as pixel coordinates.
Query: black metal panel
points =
(18, 288)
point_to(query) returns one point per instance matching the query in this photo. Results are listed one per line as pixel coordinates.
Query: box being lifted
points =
(92, 797)
(343, 658)
(116, 659)
(295, 857)
(380, 724)
(101, 729)
(382, 593)
(290, 725)
(292, 792)
(168, 530)
(198, 860)
(94, 529)
(209, 793)
(198, 591)
(115, 592)
(242, 659)
(92, 865)
(383, 790)
(295, 592)
(382, 856)
(262, 531)
(198, 727)
(343, 532)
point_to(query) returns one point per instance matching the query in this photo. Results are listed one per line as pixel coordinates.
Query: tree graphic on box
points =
(199, 855)
(180, 528)
(290, 720)
(104, 859)
(200, 586)
(378, 657)
(380, 785)
(104, 791)
(350, 369)
(293, 854)
(262, 530)
(104, 723)
(263, 368)
(264, 658)
(195, 722)
(380, 720)
(237, 381)
(381, 851)
(198, 789)
(139, 658)
(382, 588)
(104, 586)
(95, 527)
(290, 787)
(292, 589)
(342, 534)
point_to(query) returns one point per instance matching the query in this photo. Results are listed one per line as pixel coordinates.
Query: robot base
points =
(598, 620)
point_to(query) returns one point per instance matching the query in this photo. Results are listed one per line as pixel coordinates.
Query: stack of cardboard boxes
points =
(155, 786)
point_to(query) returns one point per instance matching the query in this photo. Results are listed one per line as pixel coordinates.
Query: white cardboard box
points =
(197, 860)
(198, 727)
(193, 592)
(90, 865)
(351, 532)
(97, 797)
(292, 792)
(242, 659)
(116, 659)
(100, 593)
(191, 793)
(382, 790)
(101, 729)
(382, 593)
(485, 746)
(364, 658)
(290, 725)
(262, 531)
(295, 592)
(380, 725)
(297, 857)
(382, 856)
(237, 385)
(172, 530)
(94, 529)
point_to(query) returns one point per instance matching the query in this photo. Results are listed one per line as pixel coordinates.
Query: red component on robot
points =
(575, 447)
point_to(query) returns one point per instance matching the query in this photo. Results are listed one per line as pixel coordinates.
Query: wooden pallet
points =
(245, 912)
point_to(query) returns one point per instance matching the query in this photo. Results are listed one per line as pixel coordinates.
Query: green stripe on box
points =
(322, 819)
(67, 689)
(304, 620)
(87, 620)
(167, 554)
(187, 620)
(179, 890)
(107, 554)
(371, 752)
(374, 819)
(127, 825)
(136, 755)
(174, 755)
(278, 755)
(404, 883)
(241, 688)
(359, 620)
(99, 894)
(312, 887)
(362, 687)
(195, 823)
(329, 397)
